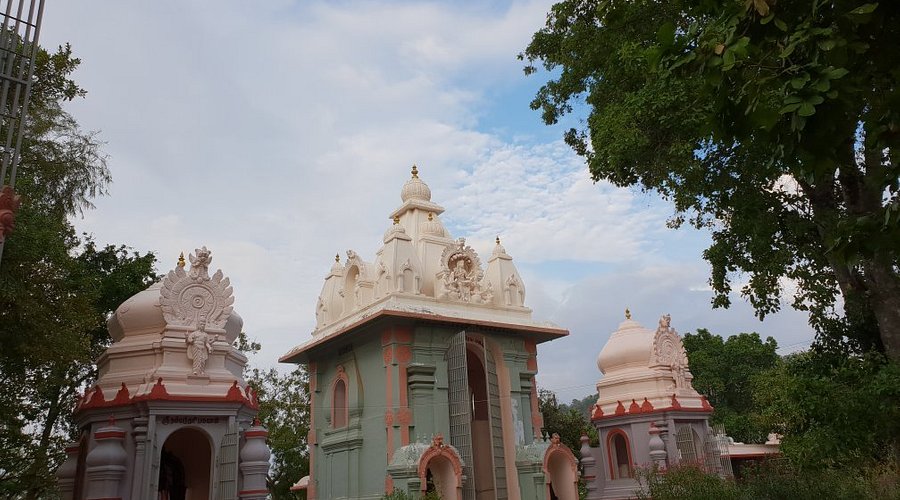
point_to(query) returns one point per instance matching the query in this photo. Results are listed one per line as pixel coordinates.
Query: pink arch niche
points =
(560, 470)
(446, 469)
(340, 399)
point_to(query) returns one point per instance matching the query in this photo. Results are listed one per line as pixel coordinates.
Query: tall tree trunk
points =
(884, 297)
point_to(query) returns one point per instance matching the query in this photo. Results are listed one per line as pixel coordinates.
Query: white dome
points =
(415, 188)
(140, 313)
(395, 229)
(433, 226)
(627, 347)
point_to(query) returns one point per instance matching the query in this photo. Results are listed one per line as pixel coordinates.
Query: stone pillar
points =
(591, 472)
(421, 390)
(657, 447)
(139, 482)
(65, 475)
(106, 463)
(255, 455)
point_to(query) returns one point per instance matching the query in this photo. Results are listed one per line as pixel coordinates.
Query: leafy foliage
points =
(833, 411)
(56, 288)
(284, 410)
(772, 481)
(725, 371)
(569, 423)
(772, 124)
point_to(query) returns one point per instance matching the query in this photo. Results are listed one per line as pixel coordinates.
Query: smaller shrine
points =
(170, 415)
(647, 412)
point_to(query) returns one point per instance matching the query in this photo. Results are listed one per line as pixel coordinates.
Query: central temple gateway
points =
(421, 372)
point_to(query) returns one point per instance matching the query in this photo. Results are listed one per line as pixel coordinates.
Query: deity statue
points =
(200, 346)
(665, 322)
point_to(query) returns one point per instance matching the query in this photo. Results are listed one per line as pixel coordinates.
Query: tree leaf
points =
(867, 8)
(806, 109)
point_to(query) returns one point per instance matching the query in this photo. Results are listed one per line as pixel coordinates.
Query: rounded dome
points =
(433, 226)
(627, 347)
(140, 313)
(415, 188)
(396, 228)
(337, 268)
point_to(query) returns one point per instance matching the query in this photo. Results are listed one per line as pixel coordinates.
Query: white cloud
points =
(279, 133)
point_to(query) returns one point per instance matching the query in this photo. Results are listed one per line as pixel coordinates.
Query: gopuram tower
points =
(421, 371)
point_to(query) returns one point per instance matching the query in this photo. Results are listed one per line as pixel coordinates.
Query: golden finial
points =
(498, 240)
(627, 313)
(181, 260)
(396, 220)
(337, 257)
(415, 172)
(430, 216)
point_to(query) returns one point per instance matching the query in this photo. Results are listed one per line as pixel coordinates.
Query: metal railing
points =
(19, 33)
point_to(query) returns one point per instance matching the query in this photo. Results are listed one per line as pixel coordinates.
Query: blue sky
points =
(278, 133)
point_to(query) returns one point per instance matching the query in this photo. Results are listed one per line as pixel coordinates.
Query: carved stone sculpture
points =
(668, 351)
(200, 346)
(186, 296)
(461, 275)
(9, 203)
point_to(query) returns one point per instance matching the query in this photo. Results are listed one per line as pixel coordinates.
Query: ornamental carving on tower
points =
(668, 351)
(9, 203)
(188, 296)
(461, 275)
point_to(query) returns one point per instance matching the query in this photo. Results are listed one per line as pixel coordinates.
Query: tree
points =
(833, 410)
(56, 288)
(284, 410)
(776, 125)
(725, 371)
(569, 423)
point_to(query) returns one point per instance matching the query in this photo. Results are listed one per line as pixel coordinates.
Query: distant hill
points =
(583, 405)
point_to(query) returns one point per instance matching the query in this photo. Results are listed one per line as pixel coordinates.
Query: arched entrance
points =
(440, 470)
(561, 471)
(185, 465)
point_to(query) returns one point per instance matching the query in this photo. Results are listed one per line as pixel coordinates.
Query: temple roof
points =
(644, 371)
(421, 270)
(173, 342)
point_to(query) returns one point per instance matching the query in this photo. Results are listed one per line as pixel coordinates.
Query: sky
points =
(279, 133)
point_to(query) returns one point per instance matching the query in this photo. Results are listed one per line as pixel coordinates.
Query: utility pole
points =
(19, 33)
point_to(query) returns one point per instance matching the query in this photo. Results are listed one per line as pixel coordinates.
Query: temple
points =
(422, 367)
(170, 416)
(648, 414)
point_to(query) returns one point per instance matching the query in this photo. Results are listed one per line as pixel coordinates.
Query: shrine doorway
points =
(185, 466)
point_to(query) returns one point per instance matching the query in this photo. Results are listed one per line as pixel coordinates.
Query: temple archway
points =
(561, 471)
(440, 471)
(185, 466)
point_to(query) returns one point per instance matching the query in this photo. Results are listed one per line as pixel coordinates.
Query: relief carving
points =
(185, 297)
(668, 351)
(461, 275)
(200, 346)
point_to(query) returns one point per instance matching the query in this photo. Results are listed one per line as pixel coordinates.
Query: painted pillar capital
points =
(255, 455)
(106, 463)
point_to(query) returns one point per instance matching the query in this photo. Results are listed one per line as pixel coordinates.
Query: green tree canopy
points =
(725, 371)
(776, 125)
(833, 410)
(56, 288)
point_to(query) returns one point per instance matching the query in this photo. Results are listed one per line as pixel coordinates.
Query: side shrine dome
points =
(645, 370)
(174, 340)
(421, 269)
